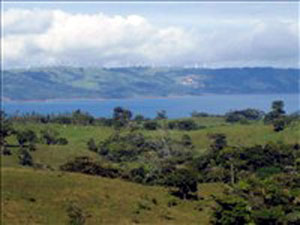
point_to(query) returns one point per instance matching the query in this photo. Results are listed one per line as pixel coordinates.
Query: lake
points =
(175, 106)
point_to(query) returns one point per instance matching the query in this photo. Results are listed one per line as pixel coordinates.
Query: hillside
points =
(43, 197)
(46, 194)
(68, 82)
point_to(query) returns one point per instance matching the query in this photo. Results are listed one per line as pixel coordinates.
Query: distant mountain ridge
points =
(128, 82)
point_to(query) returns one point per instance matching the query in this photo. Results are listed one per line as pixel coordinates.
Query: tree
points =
(121, 117)
(6, 128)
(231, 210)
(26, 136)
(277, 112)
(25, 158)
(277, 106)
(92, 145)
(185, 181)
(186, 140)
(49, 135)
(219, 141)
(278, 125)
(161, 115)
(151, 125)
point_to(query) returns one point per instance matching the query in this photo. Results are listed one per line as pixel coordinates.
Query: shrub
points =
(25, 159)
(49, 136)
(76, 215)
(244, 115)
(62, 141)
(185, 181)
(87, 165)
(92, 145)
(26, 136)
(151, 125)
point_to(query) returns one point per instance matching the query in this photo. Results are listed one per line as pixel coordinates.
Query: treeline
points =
(123, 118)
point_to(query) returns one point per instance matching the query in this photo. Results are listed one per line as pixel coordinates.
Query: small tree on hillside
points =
(25, 158)
(161, 115)
(219, 141)
(92, 145)
(185, 181)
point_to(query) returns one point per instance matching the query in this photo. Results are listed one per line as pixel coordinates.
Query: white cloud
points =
(54, 37)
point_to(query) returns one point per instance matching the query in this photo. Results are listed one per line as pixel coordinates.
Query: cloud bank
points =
(55, 37)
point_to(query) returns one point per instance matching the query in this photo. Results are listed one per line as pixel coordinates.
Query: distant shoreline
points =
(7, 100)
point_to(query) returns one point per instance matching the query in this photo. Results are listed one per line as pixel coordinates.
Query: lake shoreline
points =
(8, 100)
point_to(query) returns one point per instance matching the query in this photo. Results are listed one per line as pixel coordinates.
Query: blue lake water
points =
(176, 106)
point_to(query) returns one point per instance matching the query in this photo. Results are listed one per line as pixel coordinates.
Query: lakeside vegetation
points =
(238, 168)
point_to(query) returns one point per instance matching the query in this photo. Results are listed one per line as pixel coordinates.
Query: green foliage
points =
(161, 115)
(151, 125)
(25, 159)
(121, 117)
(183, 125)
(279, 125)
(255, 201)
(81, 118)
(231, 210)
(89, 166)
(6, 128)
(62, 141)
(219, 141)
(187, 140)
(76, 214)
(277, 113)
(26, 136)
(51, 137)
(184, 180)
(92, 145)
(242, 115)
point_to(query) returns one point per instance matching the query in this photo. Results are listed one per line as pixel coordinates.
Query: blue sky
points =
(163, 34)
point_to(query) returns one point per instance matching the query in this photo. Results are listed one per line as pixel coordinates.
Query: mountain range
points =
(129, 82)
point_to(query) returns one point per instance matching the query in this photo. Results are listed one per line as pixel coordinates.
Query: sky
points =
(199, 34)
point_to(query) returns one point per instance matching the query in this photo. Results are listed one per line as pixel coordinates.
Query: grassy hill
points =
(50, 196)
(43, 197)
(69, 82)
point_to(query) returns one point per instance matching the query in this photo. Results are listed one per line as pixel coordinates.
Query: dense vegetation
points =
(251, 158)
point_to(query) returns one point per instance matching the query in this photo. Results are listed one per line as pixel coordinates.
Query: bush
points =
(76, 215)
(62, 141)
(92, 145)
(185, 181)
(5, 151)
(151, 125)
(244, 115)
(26, 136)
(183, 125)
(231, 210)
(87, 165)
(49, 136)
(25, 159)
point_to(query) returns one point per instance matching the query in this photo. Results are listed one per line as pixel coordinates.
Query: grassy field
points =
(43, 197)
(31, 196)
(237, 134)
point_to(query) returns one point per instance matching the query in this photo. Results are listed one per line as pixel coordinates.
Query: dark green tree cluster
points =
(277, 116)
(187, 124)
(89, 166)
(230, 164)
(6, 129)
(27, 137)
(244, 115)
(50, 136)
(274, 200)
